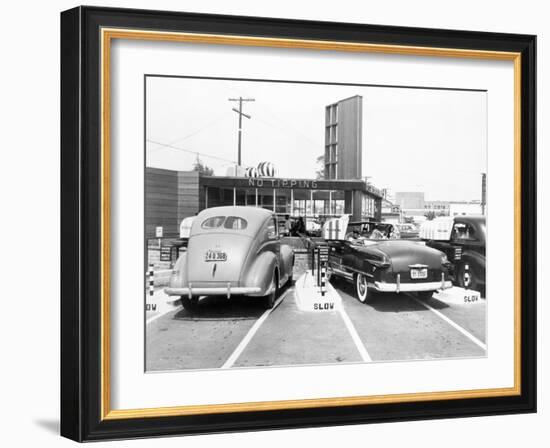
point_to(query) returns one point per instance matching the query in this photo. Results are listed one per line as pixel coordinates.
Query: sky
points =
(433, 141)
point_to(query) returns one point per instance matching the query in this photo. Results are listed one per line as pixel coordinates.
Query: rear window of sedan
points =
(227, 222)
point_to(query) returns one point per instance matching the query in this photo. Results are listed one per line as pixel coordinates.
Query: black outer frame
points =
(81, 207)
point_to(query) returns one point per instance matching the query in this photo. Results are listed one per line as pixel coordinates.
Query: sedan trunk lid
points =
(216, 258)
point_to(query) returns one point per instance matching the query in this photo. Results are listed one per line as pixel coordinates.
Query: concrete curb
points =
(308, 298)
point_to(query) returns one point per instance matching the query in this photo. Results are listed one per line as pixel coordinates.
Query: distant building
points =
(466, 208)
(411, 202)
(343, 139)
(454, 208)
(439, 208)
(390, 212)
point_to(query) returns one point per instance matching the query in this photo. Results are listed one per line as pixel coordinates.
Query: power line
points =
(202, 154)
(283, 127)
(202, 128)
(290, 127)
(282, 123)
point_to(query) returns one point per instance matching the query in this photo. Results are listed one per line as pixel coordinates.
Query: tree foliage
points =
(320, 163)
(202, 168)
(430, 215)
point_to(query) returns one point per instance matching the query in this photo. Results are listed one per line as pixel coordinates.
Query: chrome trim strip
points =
(190, 292)
(411, 287)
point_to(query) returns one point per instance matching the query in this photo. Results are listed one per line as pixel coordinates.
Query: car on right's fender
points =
(462, 238)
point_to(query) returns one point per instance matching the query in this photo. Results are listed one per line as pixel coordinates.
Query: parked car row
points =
(238, 251)
(378, 257)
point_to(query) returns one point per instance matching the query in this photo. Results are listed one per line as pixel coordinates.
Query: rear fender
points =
(178, 279)
(260, 273)
(474, 258)
(287, 262)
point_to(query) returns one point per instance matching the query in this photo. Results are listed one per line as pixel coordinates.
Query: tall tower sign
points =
(343, 139)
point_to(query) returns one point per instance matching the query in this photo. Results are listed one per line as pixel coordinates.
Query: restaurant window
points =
(245, 196)
(301, 200)
(217, 197)
(282, 201)
(265, 198)
(337, 204)
(368, 207)
(240, 196)
(320, 202)
(212, 196)
(226, 196)
(251, 196)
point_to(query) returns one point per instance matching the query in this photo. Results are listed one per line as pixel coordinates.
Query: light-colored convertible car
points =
(232, 251)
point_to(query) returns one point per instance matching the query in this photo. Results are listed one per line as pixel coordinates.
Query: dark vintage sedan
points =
(463, 239)
(232, 251)
(366, 254)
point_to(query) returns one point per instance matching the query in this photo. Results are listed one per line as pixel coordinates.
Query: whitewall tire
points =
(361, 288)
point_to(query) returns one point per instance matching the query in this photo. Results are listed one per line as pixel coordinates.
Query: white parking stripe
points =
(453, 324)
(353, 333)
(351, 329)
(240, 348)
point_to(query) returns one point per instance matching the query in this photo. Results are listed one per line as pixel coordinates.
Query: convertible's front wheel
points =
(363, 293)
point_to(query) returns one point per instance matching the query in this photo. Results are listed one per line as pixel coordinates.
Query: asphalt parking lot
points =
(240, 333)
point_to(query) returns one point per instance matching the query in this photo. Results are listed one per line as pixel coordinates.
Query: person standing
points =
(300, 227)
(288, 225)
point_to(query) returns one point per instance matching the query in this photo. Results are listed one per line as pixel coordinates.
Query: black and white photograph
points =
(304, 223)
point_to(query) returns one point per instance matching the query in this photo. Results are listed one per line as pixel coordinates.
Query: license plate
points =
(215, 255)
(419, 273)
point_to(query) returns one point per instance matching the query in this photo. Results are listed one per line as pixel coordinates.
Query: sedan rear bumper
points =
(412, 287)
(229, 290)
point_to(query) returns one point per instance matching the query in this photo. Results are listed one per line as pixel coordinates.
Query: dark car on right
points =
(462, 238)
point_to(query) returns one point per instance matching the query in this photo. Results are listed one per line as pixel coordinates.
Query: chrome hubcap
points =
(467, 279)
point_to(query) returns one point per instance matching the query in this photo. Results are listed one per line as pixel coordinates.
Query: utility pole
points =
(241, 115)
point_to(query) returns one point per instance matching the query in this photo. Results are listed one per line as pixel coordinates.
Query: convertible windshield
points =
(372, 231)
(228, 222)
